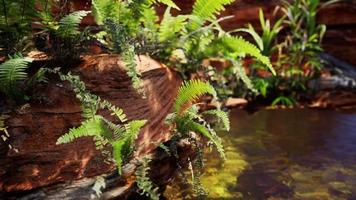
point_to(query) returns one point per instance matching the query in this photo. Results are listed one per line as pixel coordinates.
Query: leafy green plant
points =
(14, 81)
(187, 123)
(185, 46)
(64, 38)
(205, 10)
(303, 43)
(232, 49)
(125, 29)
(143, 180)
(182, 41)
(297, 57)
(283, 100)
(266, 41)
(104, 132)
(15, 25)
(186, 118)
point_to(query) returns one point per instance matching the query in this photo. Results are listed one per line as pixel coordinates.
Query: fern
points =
(121, 44)
(186, 118)
(38, 77)
(15, 25)
(128, 56)
(12, 72)
(170, 26)
(169, 3)
(199, 128)
(132, 130)
(68, 25)
(91, 127)
(143, 180)
(190, 91)
(238, 47)
(123, 148)
(241, 74)
(103, 131)
(205, 10)
(221, 115)
(103, 9)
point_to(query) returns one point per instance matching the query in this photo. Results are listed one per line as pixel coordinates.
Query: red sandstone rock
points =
(35, 129)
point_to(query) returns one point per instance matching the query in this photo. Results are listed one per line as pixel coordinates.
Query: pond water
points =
(282, 154)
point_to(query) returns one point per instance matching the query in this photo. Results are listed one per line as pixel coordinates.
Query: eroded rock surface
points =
(35, 128)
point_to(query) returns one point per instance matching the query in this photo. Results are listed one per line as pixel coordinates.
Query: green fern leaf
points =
(92, 127)
(190, 91)
(196, 127)
(205, 10)
(117, 153)
(123, 148)
(221, 115)
(38, 77)
(241, 74)
(12, 72)
(128, 57)
(143, 179)
(237, 46)
(105, 9)
(115, 111)
(169, 3)
(69, 25)
(170, 26)
(118, 131)
(133, 128)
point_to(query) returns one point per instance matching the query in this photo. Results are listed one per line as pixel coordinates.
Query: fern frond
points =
(128, 56)
(123, 148)
(237, 46)
(241, 74)
(169, 3)
(115, 111)
(221, 115)
(69, 25)
(133, 128)
(143, 179)
(107, 9)
(98, 10)
(165, 148)
(199, 128)
(170, 26)
(38, 77)
(117, 147)
(191, 91)
(12, 72)
(92, 127)
(89, 102)
(205, 10)
(118, 131)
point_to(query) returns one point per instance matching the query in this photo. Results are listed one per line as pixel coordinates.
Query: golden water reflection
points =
(282, 154)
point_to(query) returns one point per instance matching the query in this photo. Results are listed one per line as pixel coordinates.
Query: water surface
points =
(283, 154)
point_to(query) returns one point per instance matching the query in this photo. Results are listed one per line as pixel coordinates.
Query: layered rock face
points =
(35, 128)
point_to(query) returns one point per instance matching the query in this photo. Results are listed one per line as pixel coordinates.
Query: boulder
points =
(36, 161)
